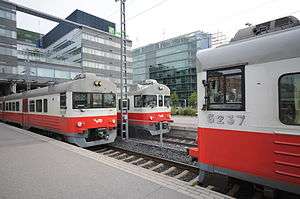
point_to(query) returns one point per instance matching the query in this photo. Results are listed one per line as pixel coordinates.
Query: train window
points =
(160, 100)
(6, 106)
(9, 106)
(45, 105)
(97, 99)
(167, 101)
(149, 100)
(39, 106)
(31, 106)
(289, 99)
(80, 100)
(63, 101)
(1, 106)
(138, 102)
(226, 89)
(13, 106)
(109, 100)
(17, 106)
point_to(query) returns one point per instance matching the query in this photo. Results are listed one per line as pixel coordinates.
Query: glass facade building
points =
(59, 55)
(171, 62)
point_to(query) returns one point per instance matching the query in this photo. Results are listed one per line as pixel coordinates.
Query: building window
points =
(45, 105)
(7, 15)
(39, 106)
(17, 106)
(31, 106)
(63, 101)
(289, 99)
(226, 89)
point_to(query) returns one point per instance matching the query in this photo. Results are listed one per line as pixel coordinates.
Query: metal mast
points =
(124, 88)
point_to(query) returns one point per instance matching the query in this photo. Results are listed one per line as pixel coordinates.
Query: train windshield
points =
(94, 100)
(289, 98)
(226, 89)
(167, 101)
(145, 101)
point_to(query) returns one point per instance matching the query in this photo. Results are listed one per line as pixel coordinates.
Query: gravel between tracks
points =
(167, 151)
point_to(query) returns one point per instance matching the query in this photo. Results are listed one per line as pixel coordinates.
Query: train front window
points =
(109, 100)
(80, 100)
(289, 99)
(167, 101)
(225, 89)
(149, 100)
(94, 100)
(97, 100)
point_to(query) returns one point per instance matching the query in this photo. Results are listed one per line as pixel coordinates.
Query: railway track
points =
(177, 170)
(184, 141)
(170, 168)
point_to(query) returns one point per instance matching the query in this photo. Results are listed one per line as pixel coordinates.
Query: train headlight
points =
(97, 83)
(79, 124)
(151, 118)
(113, 121)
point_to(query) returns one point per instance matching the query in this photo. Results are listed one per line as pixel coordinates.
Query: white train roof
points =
(270, 47)
(83, 83)
(149, 87)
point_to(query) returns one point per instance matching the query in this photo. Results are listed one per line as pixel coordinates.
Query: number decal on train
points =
(228, 119)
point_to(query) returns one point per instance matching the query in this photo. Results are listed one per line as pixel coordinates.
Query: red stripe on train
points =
(61, 124)
(273, 156)
(148, 118)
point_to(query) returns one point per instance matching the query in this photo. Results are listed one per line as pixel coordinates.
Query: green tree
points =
(174, 99)
(193, 100)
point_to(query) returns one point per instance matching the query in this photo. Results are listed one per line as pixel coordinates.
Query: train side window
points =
(13, 106)
(138, 102)
(39, 106)
(1, 106)
(6, 106)
(31, 106)
(226, 89)
(160, 100)
(9, 106)
(17, 106)
(45, 105)
(63, 101)
(289, 99)
(167, 101)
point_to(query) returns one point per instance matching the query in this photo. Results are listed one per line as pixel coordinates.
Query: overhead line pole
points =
(123, 74)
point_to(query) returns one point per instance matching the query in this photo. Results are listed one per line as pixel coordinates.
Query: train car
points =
(83, 111)
(149, 110)
(249, 107)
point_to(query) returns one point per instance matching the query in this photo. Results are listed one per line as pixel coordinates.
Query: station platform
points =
(34, 166)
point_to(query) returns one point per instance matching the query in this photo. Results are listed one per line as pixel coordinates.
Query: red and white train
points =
(249, 106)
(83, 111)
(149, 110)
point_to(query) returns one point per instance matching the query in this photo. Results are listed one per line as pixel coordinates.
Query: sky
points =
(156, 20)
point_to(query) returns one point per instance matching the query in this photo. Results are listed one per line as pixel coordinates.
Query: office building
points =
(80, 43)
(172, 62)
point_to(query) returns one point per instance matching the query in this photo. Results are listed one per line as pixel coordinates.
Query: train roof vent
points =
(267, 27)
(148, 82)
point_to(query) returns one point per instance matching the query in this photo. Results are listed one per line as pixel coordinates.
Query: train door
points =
(24, 113)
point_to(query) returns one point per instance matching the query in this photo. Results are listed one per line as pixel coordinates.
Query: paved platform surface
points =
(33, 166)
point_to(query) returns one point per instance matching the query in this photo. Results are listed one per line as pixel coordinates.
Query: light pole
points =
(123, 73)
